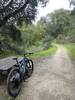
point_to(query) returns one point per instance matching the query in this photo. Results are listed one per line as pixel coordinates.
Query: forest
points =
(19, 34)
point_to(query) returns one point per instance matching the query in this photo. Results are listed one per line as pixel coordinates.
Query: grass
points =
(5, 54)
(71, 49)
(44, 53)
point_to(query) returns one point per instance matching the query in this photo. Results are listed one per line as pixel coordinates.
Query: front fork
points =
(22, 70)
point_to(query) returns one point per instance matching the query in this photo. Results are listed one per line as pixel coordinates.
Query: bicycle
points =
(18, 73)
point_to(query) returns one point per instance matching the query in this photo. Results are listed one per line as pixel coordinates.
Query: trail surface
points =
(53, 79)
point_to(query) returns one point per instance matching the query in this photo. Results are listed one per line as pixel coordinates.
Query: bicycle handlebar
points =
(28, 53)
(16, 59)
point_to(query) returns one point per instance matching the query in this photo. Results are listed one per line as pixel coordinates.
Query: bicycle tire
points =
(12, 94)
(29, 74)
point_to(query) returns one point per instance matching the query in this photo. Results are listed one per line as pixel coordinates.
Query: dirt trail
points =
(53, 79)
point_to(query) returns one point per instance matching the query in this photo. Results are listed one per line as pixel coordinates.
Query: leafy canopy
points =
(18, 10)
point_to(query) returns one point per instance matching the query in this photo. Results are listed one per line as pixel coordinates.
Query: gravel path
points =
(53, 79)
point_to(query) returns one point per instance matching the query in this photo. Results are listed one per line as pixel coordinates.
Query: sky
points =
(51, 6)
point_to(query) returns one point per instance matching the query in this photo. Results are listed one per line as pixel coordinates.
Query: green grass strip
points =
(71, 49)
(44, 53)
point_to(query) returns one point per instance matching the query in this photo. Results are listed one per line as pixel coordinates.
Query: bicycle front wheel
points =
(13, 82)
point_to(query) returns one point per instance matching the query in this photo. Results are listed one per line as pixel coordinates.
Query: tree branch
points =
(5, 7)
(2, 22)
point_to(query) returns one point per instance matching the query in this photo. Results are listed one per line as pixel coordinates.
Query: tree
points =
(18, 10)
(57, 24)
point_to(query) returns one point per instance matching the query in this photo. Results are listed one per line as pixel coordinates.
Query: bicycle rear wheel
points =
(29, 68)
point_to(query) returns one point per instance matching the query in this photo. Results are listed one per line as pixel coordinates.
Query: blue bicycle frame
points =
(22, 67)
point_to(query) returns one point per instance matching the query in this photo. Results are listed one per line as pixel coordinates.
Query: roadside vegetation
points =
(71, 49)
(45, 53)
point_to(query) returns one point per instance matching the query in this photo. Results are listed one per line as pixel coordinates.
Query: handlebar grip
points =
(28, 53)
(16, 59)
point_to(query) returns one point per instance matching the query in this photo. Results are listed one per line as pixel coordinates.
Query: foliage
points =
(55, 25)
(18, 10)
(71, 49)
(58, 26)
(44, 53)
(12, 14)
(59, 20)
(10, 36)
(31, 34)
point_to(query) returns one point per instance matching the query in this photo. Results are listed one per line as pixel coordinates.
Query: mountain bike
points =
(18, 73)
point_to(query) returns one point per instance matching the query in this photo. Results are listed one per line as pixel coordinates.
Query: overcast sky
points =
(51, 6)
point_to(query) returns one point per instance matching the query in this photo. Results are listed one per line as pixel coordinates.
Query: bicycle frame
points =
(22, 67)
